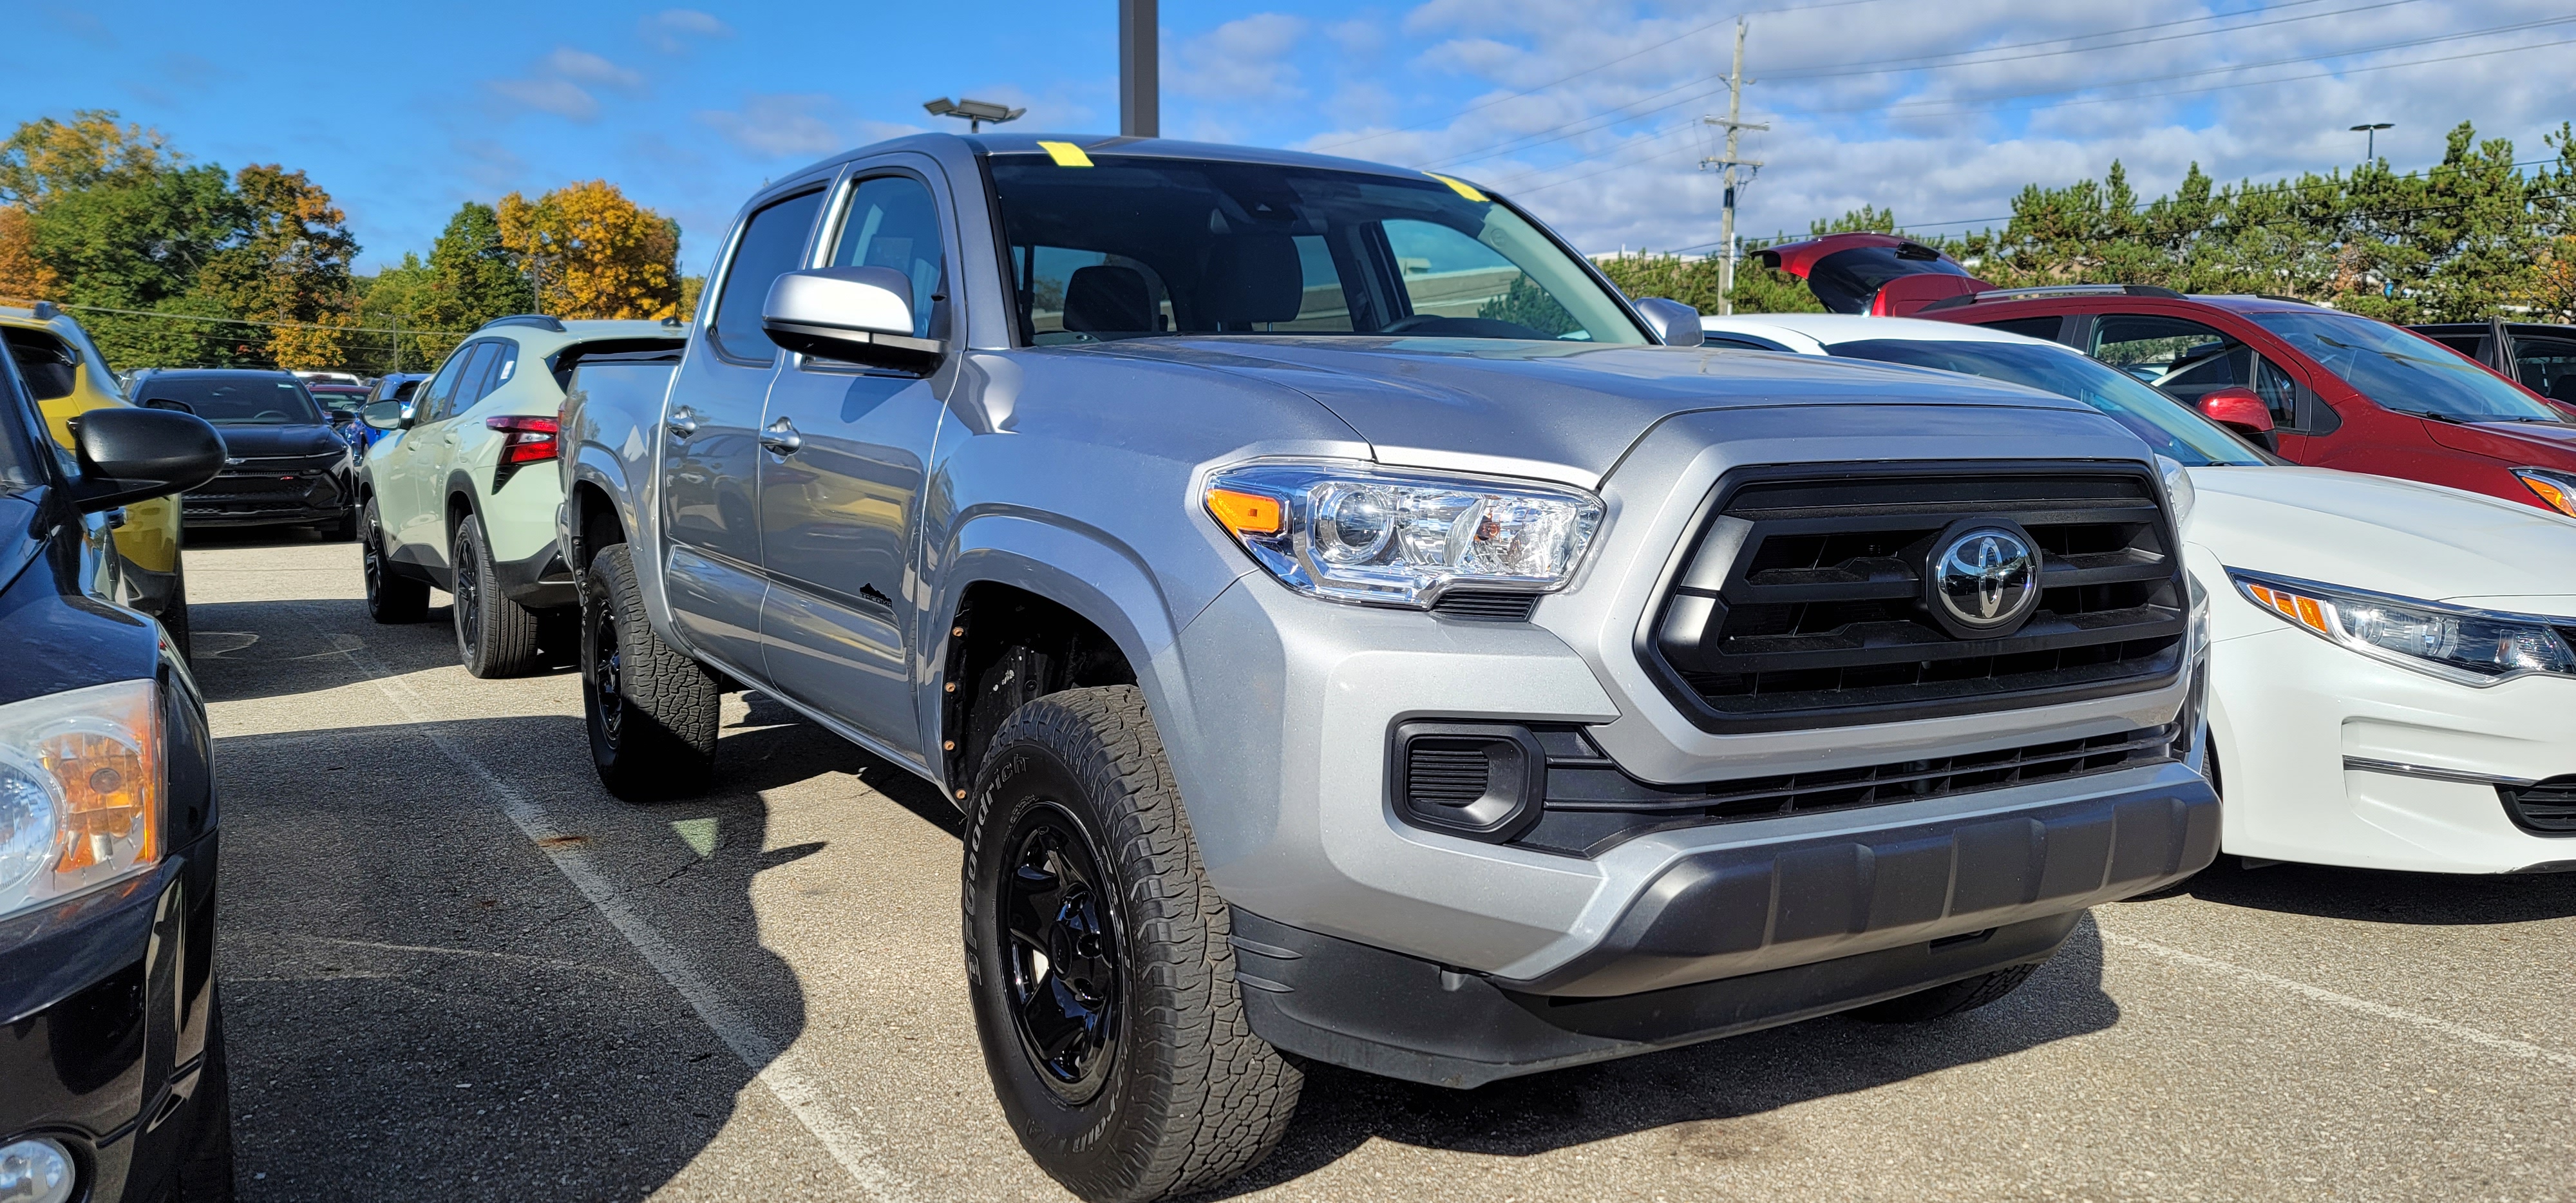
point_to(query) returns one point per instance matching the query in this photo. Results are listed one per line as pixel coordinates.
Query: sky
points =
(1587, 112)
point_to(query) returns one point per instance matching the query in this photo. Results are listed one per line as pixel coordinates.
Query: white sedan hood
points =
(2386, 535)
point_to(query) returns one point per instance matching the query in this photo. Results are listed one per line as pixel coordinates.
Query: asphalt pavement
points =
(454, 967)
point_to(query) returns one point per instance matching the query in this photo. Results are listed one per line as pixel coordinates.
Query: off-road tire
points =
(1967, 994)
(1190, 1097)
(665, 706)
(205, 1172)
(495, 637)
(390, 599)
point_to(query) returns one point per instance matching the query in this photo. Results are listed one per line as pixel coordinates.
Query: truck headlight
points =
(80, 791)
(1355, 532)
(2471, 647)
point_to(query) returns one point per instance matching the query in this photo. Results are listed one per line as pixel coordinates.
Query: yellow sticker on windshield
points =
(1065, 154)
(1461, 187)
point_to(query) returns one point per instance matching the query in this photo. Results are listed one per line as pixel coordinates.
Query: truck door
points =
(710, 444)
(841, 473)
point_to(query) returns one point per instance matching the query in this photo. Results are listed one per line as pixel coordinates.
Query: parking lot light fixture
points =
(2370, 138)
(973, 112)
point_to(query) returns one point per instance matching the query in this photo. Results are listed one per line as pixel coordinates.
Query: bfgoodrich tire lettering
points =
(651, 710)
(1184, 1096)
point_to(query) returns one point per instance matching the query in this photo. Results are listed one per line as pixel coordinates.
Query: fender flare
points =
(1084, 570)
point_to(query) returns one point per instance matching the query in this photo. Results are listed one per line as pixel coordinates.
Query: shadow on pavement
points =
(1716, 1097)
(2383, 896)
(421, 1003)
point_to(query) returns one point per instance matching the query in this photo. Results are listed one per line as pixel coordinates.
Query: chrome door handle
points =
(781, 438)
(682, 423)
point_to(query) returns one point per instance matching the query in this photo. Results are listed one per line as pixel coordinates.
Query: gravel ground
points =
(455, 967)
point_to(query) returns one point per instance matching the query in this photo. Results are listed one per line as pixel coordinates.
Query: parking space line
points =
(2457, 1031)
(786, 1073)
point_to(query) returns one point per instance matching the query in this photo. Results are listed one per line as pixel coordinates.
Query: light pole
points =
(973, 112)
(2370, 139)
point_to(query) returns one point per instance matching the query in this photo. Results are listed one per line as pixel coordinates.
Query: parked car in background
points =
(113, 1082)
(285, 463)
(345, 379)
(2390, 665)
(464, 497)
(2540, 357)
(62, 368)
(1354, 632)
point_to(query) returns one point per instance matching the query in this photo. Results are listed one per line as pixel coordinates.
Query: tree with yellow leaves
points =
(595, 254)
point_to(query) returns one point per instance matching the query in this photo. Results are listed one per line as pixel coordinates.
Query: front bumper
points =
(272, 499)
(2331, 757)
(105, 1005)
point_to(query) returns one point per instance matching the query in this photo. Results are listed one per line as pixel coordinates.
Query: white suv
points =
(446, 497)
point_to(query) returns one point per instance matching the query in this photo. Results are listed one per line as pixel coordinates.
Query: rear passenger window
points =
(2030, 327)
(2547, 366)
(499, 360)
(772, 244)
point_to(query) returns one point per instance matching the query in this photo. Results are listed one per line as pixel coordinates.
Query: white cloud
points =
(562, 83)
(677, 30)
(1588, 111)
(1239, 61)
(796, 125)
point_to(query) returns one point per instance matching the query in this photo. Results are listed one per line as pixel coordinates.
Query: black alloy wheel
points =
(390, 598)
(607, 675)
(466, 596)
(1062, 953)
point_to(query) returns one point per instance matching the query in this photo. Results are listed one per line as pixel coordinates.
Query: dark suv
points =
(285, 460)
(2321, 387)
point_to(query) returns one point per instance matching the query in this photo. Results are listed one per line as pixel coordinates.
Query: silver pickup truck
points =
(1355, 632)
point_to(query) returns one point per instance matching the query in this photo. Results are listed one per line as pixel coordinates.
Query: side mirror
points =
(859, 314)
(1675, 324)
(167, 403)
(128, 455)
(341, 417)
(2238, 408)
(386, 415)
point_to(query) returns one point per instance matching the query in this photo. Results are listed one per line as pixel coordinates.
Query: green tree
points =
(471, 278)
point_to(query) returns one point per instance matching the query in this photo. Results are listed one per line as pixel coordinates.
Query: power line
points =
(244, 321)
(1870, 67)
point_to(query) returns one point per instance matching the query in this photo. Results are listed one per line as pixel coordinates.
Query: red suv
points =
(2317, 385)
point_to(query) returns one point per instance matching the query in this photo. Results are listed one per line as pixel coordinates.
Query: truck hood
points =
(2382, 534)
(1564, 411)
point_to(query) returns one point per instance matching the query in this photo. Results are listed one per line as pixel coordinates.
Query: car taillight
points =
(524, 440)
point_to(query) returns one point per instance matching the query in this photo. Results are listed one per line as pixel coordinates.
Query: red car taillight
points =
(524, 440)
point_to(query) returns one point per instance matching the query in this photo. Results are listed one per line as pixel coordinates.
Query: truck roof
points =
(1155, 148)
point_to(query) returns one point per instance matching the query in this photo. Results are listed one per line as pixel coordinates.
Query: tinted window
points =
(772, 245)
(2403, 371)
(1845, 281)
(893, 223)
(47, 367)
(1734, 342)
(2547, 366)
(18, 438)
(1134, 247)
(2030, 327)
(2168, 428)
(495, 368)
(469, 383)
(2190, 360)
(443, 384)
(245, 400)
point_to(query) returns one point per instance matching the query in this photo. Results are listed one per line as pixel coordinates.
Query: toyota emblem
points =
(1983, 578)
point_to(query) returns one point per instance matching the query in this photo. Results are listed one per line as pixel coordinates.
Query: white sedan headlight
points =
(80, 791)
(2471, 647)
(1355, 532)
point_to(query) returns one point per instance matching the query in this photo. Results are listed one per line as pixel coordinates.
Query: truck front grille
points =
(1801, 603)
(1592, 804)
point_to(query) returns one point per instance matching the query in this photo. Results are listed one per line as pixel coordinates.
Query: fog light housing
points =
(37, 1170)
(1485, 781)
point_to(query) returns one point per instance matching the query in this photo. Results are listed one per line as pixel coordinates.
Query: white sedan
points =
(2393, 664)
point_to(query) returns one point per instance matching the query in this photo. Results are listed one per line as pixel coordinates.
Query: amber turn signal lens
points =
(1247, 513)
(2305, 611)
(2549, 491)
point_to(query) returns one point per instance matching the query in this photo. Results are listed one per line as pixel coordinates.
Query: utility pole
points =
(1140, 81)
(1727, 167)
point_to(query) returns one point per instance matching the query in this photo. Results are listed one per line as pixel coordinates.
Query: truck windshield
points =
(2169, 428)
(2404, 371)
(1132, 247)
